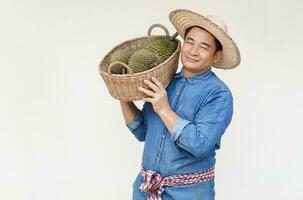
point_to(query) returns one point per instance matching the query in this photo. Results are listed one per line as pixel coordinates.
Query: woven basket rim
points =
(105, 73)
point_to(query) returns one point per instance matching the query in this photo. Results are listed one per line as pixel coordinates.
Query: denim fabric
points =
(204, 105)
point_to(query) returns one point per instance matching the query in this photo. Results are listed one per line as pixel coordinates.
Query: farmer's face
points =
(198, 52)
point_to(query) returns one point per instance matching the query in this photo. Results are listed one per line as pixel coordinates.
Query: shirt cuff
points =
(178, 127)
(136, 121)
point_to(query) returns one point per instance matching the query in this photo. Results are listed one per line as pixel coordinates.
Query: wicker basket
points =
(125, 86)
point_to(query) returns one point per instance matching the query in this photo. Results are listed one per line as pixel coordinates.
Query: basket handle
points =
(129, 70)
(157, 25)
(174, 36)
(164, 28)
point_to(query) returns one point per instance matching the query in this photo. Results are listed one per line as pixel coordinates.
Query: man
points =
(182, 125)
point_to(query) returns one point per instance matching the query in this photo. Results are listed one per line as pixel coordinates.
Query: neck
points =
(190, 73)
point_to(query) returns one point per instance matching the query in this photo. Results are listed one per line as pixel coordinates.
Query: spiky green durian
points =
(162, 46)
(122, 56)
(143, 60)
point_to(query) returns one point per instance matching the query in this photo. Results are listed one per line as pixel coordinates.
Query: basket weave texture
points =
(125, 86)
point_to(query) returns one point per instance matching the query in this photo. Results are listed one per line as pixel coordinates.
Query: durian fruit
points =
(143, 60)
(162, 46)
(122, 56)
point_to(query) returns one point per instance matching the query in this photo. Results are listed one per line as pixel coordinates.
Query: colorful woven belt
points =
(154, 183)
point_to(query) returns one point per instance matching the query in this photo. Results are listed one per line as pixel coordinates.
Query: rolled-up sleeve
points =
(204, 133)
(178, 127)
(139, 125)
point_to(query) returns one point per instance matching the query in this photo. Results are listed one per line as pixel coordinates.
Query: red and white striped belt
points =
(154, 183)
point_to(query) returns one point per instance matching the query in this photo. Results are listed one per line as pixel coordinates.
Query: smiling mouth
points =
(191, 60)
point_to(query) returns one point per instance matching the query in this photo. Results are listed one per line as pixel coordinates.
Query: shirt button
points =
(163, 136)
(158, 158)
(178, 93)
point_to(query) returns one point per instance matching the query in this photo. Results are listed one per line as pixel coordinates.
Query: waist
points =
(154, 183)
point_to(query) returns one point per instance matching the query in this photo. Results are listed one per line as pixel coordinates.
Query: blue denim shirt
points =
(204, 105)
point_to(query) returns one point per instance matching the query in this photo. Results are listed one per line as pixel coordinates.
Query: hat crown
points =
(219, 22)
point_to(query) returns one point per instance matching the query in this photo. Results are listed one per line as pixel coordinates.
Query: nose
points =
(194, 50)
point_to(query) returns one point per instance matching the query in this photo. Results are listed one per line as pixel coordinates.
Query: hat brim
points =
(183, 19)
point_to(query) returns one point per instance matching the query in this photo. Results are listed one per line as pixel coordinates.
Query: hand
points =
(157, 96)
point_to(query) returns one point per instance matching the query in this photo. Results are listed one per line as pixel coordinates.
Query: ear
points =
(218, 56)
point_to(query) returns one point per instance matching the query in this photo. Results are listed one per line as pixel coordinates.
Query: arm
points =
(134, 119)
(158, 98)
(203, 134)
(129, 110)
(169, 118)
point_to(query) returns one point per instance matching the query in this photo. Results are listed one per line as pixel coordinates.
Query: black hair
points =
(217, 42)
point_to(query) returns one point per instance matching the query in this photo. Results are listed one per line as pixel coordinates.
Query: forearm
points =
(198, 137)
(169, 118)
(134, 119)
(191, 140)
(129, 110)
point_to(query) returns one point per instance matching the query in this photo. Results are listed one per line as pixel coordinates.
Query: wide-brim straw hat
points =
(183, 19)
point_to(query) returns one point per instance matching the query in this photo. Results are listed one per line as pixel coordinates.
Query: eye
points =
(189, 42)
(203, 48)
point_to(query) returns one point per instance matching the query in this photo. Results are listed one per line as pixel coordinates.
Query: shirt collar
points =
(194, 78)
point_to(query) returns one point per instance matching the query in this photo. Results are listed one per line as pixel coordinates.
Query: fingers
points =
(153, 86)
(157, 89)
(148, 92)
(148, 99)
(158, 83)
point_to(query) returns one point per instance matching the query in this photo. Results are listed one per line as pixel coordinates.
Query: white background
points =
(63, 137)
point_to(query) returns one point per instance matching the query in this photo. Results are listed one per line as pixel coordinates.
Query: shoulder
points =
(219, 88)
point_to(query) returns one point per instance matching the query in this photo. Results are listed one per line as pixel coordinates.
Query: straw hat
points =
(183, 19)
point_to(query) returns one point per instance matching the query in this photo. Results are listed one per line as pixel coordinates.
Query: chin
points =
(190, 65)
(193, 68)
